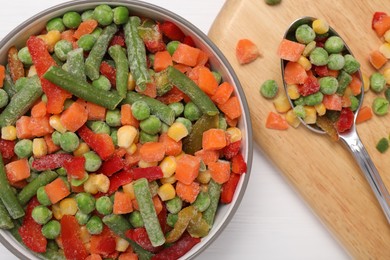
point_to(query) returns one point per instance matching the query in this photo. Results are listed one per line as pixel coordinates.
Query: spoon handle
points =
(359, 152)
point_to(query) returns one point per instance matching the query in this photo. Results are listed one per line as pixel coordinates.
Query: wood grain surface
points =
(323, 172)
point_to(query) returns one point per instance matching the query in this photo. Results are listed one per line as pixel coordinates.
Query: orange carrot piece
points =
(51, 147)
(246, 51)
(346, 101)
(203, 58)
(39, 109)
(128, 256)
(220, 171)
(57, 190)
(186, 55)
(207, 156)
(231, 108)
(231, 122)
(74, 117)
(152, 152)
(223, 93)
(150, 91)
(355, 85)
(2, 75)
(187, 168)
(94, 257)
(157, 204)
(382, 26)
(276, 121)
(40, 126)
(17, 170)
(182, 68)
(162, 60)
(86, 27)
(332, 102)
(214, 139)
(365, 113)
(23, 130)
(189, 192)
(122, 203)
(95, 112)
(290, 50)
(127, 117)
(333, 73)
(68, 35)
(207, 81)
(133, 159)
(294, 73)
(171, 146)
(377, 59)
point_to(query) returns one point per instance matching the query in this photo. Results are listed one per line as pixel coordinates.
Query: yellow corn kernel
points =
(234, 134)
(84, 234)
(102, 182)
(304, 62)
(386, 36)
(81, 149)
(170, 180)
(281, 103)
(55, 208)
(129, 189)
(204, 177)
(31, 71)
(292, 91)
(320, 26)
(385, 49)
(126, 136)
(292, 118)
(177, 131)
(8, 132)
(366, 81)
(143, 164)
(320, 108)
(68, 206)
(39, 147)
(166, 192)
(55, 122)
(386, 74)
(168, 166)
(204, 188)
(130, 82)
(121, 244)
(132, 149)
(311, 115)
(51, 38)
(90, 184)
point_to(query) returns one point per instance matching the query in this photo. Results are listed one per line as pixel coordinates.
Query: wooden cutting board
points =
(323, 172)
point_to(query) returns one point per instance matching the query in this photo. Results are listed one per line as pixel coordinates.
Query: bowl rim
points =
(238, 88)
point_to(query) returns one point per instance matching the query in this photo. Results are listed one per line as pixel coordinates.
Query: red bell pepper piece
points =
(229, 187)
(162, 219)
(75, 167)
(231, 150)
(172, 31)
(51, 161)
(118, 39)
(172, 96)
(119, 179)
(322, 71)
(104, 243)
(140, 236)
(109, 72)
(378, 16)
(150, 173)
(70, 234)
(30, 231)
(189, 41)
(345, 121)
(112, 165)
(102, 144)
(7, 148)
(238, 164)
(42, 60)
(178, 249)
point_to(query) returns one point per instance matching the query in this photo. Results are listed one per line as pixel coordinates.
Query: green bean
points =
(3, 98)
(188, 86)
(136, 53)
(8, 85)
(82, 89)
(343, 79)
(122, 68)
(31, 189)
(148, 213)
(95, 57)
(214, 192)
(202, 201)
(5, 219)
(75, 61)
(157, 108)
(21, 102)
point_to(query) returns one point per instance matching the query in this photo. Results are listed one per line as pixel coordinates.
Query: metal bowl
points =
(35, 24)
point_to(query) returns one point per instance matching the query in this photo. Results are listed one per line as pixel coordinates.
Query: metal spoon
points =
(350, 138)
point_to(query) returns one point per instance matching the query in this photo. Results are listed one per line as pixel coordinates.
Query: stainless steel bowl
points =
(35, 24)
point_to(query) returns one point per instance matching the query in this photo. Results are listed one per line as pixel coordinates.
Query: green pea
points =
(69, 141)
(23, 148)
(72, 19)
(113, 117)
(104, 205)
(100, 127)
(121, 15)
(41, 214)
(380, 106)
(314, 99)
(377, 82)
(192, 111)
(82, 218)
(86, 42)
(354, 103)
(42, 196)
(114, 136)
(3, 98)
(24, 56)
(305, 34)
(334, 44)
(272, 2)
(172, 219)
(151, 125)
(202, 201)
(174, 205)
(172, 46)
(344, 79)
(387, 94)
(351, 64)
(140, 110)
(319, 56)
(299, 111)
(145, 137)
(336, 61)
(87, 15)
(299, 101)
(94, 225)
(135, 219)
(55, 24)
(269, 89)
(85, 202)
(102, 83)
(55, 137)
(51, 229)
(178, 107)
(61, 49)
(61, 171)
(328, 85)
(382, 145)
(186, 122)
(103, 14)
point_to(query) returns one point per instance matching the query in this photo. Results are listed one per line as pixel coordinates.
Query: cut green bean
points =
(82, 89)
(189, 87)
(136, 53)
(157, 108)
(21, 102)
(8, 85)
(122, 68)
(214, 192)
(95, 57)
(5, 219)
(148, 213)
(75, 63)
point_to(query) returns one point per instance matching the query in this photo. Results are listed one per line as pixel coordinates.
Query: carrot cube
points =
(95, 112)
(187, 168)
(214, 139)
(382, 26)
(152, 152)
(276, 121)
(186, 55)
(171, 146)
(223, 93)
(17, 170)
(365, 113)
(39, 109)
(290, 50)
(246, 51)
(23, 130)
(122, 203)
(294, 73)
(332, 102)
(189, 192)
(207, 81)
(207, 156)
(127, 117)
(162, 60)
(74, 117)
(220, 171)
(377, 59)
(57, 190)
(231, 108)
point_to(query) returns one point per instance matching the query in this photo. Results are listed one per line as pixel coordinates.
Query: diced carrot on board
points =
(377, 59)
(365, 113)
(246, 51)
(276, 121)
(382, 26)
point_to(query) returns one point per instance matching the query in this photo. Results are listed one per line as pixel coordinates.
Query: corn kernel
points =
(8, 132)
(102, 182)
(81, 149)
(121, 244)
(385, 49)
(292, 91)
(39, 147)
(32, 71)
(234, 134)
(320, 26)
(177, 131)
(304, 62)
(292, 118)
(55, 208)
(143, 164)
(386, 74)
(51, 38)
(204, 177)
(130, 82)
(132, 149)
(68, 206)
(126, 136)
(166, 192)
(55, 122)
(129, 189)
(204, 188)
(90, 184)
(311, 115)
(281, 103)
(168, 166)
(321, 109)
(84, 234)
(366, 81)
(386, 36)
(170, 180)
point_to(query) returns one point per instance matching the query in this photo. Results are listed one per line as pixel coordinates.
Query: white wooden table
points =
(272, 221)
